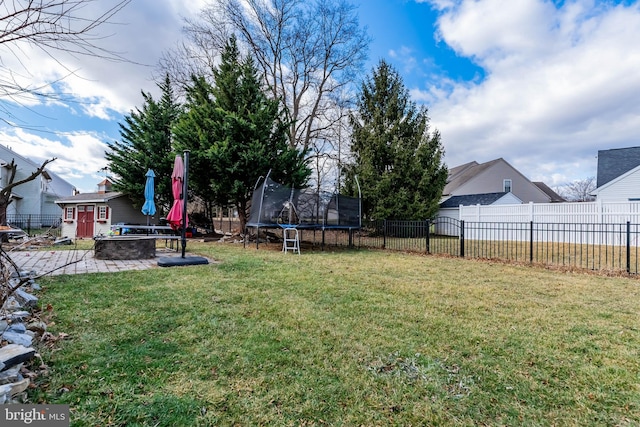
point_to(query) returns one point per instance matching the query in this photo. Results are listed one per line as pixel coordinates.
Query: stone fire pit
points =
(125, 247)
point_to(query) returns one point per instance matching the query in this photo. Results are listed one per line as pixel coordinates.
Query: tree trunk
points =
(3, 211)
(242, 215)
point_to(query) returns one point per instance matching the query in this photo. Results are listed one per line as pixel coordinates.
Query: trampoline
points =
(277, 206)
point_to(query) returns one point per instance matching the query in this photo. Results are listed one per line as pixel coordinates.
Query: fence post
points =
(29, 225)
(462, 239)
(628, 247)
(531, 242)
(428, 242)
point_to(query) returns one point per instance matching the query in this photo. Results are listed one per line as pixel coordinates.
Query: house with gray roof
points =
(491, 183)
(494, 176)
(618, 178)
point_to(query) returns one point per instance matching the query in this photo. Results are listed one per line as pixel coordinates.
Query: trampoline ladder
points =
(290, 242)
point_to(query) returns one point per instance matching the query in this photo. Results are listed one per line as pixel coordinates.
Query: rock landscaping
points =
(23, 328)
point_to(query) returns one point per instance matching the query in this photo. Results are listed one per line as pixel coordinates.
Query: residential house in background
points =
(496, 176)
(618, 178)
(34, 198)
(92, 214)
(491, 183)
(555, 197)
(450, 208)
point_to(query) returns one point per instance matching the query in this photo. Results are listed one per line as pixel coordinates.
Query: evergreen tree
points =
(398, 162)
(146, 144)
(235, 134)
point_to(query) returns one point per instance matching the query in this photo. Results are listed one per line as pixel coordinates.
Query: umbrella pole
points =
(185, 183)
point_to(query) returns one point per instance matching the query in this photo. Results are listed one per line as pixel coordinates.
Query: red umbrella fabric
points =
(174, 217)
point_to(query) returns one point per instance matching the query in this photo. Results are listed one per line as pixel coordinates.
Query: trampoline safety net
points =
(277, 205)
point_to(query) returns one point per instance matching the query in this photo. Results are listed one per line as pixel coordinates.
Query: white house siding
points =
(49, 207)
(30, 193)
(491, 180)
(622, 190)
(53, 190)
(35, 197)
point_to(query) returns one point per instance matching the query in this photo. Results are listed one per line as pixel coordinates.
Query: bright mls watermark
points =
(34, 415)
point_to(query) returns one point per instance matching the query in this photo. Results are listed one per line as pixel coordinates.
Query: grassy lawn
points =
(344, 338)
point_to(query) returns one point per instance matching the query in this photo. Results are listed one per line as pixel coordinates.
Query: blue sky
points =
(542, 84)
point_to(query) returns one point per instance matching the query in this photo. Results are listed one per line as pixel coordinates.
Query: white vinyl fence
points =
(594, 223)
(556, 213)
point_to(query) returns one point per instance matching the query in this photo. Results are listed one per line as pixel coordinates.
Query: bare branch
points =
(308, 53)
(57, 25)
(54, 27)
(579, 190)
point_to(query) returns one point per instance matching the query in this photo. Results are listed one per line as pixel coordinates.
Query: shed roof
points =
(89, 198)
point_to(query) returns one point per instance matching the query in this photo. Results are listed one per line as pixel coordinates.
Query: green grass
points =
(344, 338)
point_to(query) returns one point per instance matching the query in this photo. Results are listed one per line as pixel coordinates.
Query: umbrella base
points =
(179, 261)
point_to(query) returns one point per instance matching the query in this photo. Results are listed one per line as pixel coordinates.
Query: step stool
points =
(290, 240)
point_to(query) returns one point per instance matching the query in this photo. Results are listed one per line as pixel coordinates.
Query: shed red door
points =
(85, 221)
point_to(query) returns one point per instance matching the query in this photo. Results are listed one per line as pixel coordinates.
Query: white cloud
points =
(560, 84)
(140, 33)
(79, 156)
(88, 86)
(406, 56)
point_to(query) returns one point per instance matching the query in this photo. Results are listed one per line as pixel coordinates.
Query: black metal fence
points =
(601, 247)
(36, 224)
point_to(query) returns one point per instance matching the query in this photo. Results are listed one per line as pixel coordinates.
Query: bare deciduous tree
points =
(309, 54)
(579, 190)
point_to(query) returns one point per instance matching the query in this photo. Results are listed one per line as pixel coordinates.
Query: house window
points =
(69, 213)
(103, 212)
(506, 186)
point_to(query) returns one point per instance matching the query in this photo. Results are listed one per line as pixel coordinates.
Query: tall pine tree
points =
(146, 144)
(236, 134)
(398, 161)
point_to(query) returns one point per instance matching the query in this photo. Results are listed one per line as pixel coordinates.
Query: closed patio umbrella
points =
(178, 214)
(149, 207)
(174, 217)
